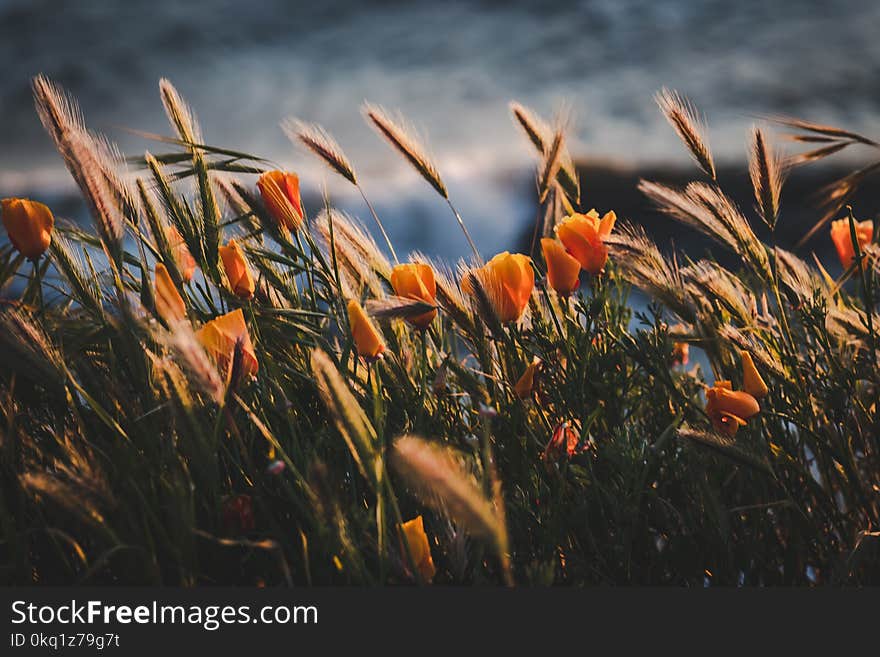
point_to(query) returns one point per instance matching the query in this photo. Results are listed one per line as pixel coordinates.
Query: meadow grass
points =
(541, 437)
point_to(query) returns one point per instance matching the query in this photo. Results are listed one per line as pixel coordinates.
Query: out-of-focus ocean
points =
(451, 67)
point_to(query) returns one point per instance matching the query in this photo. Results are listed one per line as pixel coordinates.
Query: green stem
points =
(867, 288)
(38, 281)
(378, 223)
(465, 231)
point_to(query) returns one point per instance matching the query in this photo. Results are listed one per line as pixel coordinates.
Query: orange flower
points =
(526, 383)
(508, 280)
(29, 225)
(416, 281)
(583, 235)
(563, 269)
(413, 532)
(729, 409)
(219, 337)
(186, 264)
(280, 192)
(169, 303)
(563, 443)
(752, 381)
(842, 238)
(367, 338)
(237, 270)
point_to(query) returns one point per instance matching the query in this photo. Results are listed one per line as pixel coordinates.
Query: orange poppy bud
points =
(752, 381)
(219, 337)
(563, 269)
(583, 236)
(413, 532)
(169, 304)
(526, 383)
(367, 339)
(729, 409)
(29, 225)
(563, 444)
(508, 280)
(416, 281)
(842, 238)
(186, 264)
(280, 192)
(237, 270)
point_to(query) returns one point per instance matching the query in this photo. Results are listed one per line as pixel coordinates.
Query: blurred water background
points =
(451, 67)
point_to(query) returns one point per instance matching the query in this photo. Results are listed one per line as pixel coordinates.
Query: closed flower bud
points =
(169, 304)
(186, 264)
(367, 339)
(219, 338)
(752, 381)
(29, 225)
(280, 192)
(563, 444)
(729, 409)
(842, 238)
(237, 270)
(563, 269)
(416, 281)
(525, 386)
(583, 236)
(508, 280)
(413, 533)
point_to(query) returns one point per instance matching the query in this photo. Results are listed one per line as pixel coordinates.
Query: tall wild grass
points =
(215, 384)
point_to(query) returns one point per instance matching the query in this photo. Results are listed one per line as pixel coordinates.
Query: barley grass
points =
(131, 452)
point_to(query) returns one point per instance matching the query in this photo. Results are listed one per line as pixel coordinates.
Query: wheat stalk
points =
(683, 117)
(410, 146)
(541, 135)
(407, 143)
(89, 160)
(439, 479)
(765, 170)
(315, 138)
(349, 417)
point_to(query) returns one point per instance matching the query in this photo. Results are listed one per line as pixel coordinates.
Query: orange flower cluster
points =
(581, 245)
(730, 409)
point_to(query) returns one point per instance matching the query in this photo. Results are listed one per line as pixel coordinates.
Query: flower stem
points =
(38, 281)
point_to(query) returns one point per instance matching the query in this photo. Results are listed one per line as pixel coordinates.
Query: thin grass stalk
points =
(411, 148)
(867, 285)
(316, 139)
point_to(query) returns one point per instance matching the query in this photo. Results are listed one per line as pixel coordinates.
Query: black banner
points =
(123, 621)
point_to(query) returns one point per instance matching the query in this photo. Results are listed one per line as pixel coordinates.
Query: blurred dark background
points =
(451, 67)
